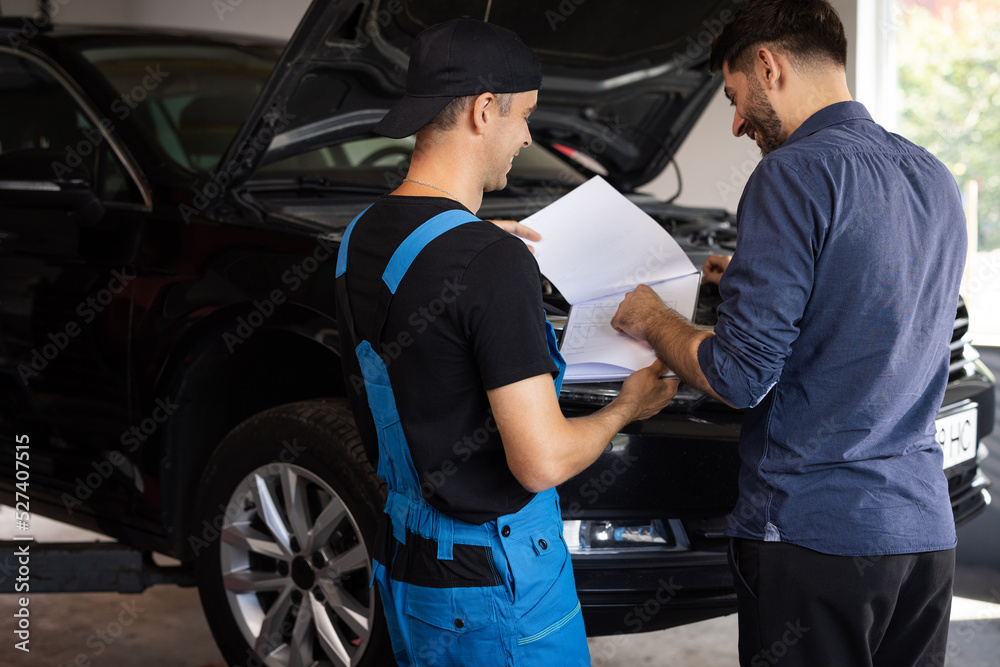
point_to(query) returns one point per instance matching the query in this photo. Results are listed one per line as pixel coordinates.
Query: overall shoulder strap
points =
(398, 264)
(417, 241)
(344, 302)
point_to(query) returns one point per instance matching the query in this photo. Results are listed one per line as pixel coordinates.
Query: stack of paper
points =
(596, 246)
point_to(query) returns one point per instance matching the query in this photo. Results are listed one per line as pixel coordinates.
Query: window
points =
(949, 102)
(46, 136)
(190, 100)
(383, 162)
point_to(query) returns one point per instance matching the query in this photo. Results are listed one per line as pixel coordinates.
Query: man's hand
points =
(714, 267)
(640, 308)
(643, 316)
(646, 392)
(517, 229)
(544, 448)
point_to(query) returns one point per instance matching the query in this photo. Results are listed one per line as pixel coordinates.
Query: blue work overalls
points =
(523, 609)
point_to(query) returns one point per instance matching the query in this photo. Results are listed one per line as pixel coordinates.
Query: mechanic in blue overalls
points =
(458, 373)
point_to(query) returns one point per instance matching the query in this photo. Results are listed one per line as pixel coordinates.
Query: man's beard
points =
(762, 118)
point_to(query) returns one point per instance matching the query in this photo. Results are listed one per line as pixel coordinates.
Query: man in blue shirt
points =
(837, 313)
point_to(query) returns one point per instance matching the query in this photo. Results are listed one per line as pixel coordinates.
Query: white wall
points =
(714, 164)
(266, 18)
(269, 18)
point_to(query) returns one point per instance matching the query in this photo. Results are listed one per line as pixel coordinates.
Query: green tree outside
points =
(949, 93)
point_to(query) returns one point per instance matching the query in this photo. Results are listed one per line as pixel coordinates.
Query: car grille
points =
(961, 352)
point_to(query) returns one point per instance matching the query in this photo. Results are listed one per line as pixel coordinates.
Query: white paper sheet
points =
(595, 351)
(596, 242)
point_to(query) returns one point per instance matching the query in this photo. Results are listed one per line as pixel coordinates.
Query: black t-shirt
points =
(466, 317)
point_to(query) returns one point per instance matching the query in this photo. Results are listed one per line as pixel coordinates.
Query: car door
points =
(66, 200)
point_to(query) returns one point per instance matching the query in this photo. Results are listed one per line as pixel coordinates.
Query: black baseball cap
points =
(457, 58)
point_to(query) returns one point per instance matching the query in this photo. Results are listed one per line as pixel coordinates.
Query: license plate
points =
(957, 435)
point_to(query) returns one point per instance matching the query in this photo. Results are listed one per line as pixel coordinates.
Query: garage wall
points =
(714, 164)
(268, 18)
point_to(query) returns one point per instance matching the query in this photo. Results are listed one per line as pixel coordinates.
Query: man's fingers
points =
(716, 263)
(527, 232)
(658, 367)
(518, 229)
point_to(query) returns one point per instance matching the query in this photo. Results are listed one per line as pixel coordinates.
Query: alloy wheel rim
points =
(295, 570)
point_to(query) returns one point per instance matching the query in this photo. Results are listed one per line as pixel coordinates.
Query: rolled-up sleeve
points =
(768, 283)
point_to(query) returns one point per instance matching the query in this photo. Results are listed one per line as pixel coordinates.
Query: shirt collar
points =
(827, 116)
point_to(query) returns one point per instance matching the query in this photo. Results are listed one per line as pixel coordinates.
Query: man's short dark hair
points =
(449, 116)
(805, 31)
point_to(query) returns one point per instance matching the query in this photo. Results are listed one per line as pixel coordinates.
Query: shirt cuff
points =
(725, 376)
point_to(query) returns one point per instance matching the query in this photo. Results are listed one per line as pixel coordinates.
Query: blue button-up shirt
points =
(837, 313)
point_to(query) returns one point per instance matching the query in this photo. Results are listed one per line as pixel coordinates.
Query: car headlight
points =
(604, 537)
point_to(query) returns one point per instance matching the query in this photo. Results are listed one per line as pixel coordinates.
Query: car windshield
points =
(383, 162)
(190, 100)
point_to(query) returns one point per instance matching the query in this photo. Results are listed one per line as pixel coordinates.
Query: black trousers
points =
(799, 607)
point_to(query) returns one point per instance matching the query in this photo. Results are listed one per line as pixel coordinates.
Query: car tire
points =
(287, 510)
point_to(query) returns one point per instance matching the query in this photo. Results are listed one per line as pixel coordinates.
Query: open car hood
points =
(623, 82)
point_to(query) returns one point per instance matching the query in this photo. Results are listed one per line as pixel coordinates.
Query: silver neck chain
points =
(431, 185)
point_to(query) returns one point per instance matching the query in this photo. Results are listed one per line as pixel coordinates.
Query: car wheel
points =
(288, 506)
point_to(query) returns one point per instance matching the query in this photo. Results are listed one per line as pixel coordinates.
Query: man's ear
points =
(767, 67)
(482, 110)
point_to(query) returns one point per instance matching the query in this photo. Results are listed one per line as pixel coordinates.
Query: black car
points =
(169, 207)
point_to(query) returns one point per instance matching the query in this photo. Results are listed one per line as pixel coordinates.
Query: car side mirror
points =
(29, 180)
(68, 195)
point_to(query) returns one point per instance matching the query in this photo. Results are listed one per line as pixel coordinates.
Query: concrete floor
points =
(165, 626)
